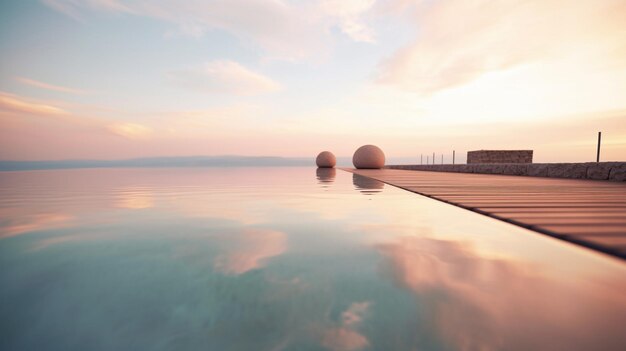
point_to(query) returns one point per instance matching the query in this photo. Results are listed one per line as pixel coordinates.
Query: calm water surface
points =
(283, 259)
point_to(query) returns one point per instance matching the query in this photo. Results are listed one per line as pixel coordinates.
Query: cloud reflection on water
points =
(134, 198)
(346, 337)
(47, 242)
(249, 249)
(483, 303)
(312, 259)
(26, 223)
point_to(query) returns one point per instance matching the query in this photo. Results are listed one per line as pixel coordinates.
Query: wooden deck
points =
(585, 212)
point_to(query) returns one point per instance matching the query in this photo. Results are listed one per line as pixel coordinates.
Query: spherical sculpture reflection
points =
(369, 156)
(326, 159)
(325, 175)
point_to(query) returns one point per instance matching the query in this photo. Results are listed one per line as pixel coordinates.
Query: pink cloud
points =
(130, 130)
(282, 29)
(36, 129)
(349, 14)
(458, 40)
(47, 86)
(224, 77)
(13, 103)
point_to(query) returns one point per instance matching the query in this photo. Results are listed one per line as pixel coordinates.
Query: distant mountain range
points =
(190, 161)
(184, 161)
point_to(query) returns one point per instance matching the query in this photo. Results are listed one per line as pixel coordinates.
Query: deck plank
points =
(585, 212)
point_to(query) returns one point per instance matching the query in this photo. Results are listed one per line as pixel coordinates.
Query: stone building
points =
(500, 156)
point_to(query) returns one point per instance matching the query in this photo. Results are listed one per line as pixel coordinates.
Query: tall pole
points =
(421, 159)
(441, 158)
(453, 152)
(433, 158)
(599, 139)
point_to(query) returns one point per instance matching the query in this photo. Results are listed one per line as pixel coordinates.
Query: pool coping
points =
(611, 171)
(406, 180)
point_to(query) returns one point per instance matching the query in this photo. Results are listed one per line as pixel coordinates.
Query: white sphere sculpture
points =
(326, 159)
(368, 156)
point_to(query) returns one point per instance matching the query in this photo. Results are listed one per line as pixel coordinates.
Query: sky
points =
(114, 79)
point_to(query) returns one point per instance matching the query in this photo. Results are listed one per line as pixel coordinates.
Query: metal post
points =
(453, 152)
(433, 158)
(599, 139)
(441, 158)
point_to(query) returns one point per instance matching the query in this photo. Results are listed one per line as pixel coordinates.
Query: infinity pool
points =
(284, 259)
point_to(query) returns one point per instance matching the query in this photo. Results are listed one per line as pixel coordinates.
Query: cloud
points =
(130, 130)
(282, 29)
(224, 77)
(349, 15)
(47, 86)
(458, 41)
(9, 102)
(27, 115)
(71, 8)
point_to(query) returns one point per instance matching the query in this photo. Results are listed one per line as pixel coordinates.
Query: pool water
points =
(284, 259)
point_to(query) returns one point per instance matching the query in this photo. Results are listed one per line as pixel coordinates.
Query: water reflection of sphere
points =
(368, 156)
(326, 159)
(367, 185)
(326, 175)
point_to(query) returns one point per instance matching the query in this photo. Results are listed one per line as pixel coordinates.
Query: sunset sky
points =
(111, 79)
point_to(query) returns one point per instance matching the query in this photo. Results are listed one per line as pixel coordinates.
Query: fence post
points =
(599, 139)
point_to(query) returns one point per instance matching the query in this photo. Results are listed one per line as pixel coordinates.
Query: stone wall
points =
(500, 156)
(613, 171)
